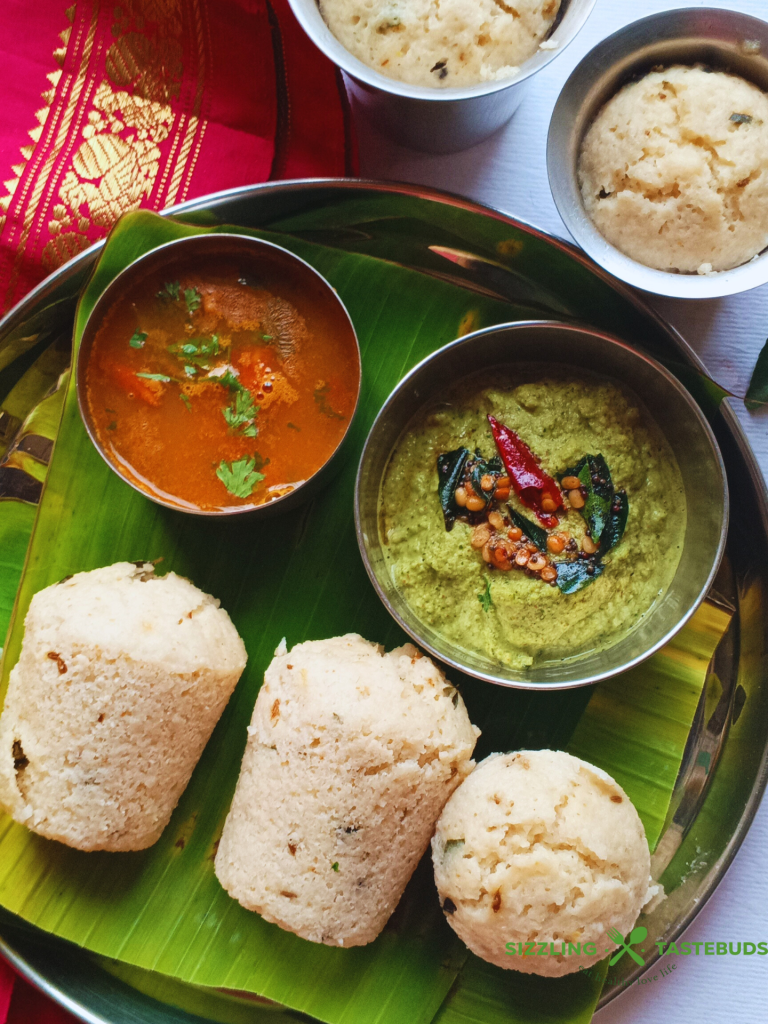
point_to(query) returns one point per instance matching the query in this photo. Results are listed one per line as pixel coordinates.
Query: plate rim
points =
(211, 201)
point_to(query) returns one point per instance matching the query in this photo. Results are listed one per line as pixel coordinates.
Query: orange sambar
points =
(222, 383)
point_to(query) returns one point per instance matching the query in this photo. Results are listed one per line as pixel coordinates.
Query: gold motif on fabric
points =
(116, 165)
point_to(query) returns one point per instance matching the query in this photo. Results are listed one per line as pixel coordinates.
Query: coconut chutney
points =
(513, 617)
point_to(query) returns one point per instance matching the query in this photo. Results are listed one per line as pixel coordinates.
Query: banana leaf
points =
(30, 447)
(300, 576)
(637, 724)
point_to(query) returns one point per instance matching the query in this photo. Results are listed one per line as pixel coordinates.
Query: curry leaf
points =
(485, 598)
(155, 376)
(596, 480)
(617, 521)
(239, 477)
(450, 469)
(531, 530)
(573, 576)
(482, 467)
(757, 392)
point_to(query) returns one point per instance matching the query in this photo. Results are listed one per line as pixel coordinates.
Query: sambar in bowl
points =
(528, 517)
(219, 374)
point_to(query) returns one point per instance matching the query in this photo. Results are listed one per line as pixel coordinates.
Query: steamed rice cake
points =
(444, 44)
(674, 170)
(350, 758)
(122, 676)
(540, 847)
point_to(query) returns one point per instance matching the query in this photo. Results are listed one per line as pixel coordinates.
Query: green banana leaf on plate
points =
(160, 917)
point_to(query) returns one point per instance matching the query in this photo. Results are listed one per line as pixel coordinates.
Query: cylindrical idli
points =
(537, 855)
(121, 679)
(351, 756)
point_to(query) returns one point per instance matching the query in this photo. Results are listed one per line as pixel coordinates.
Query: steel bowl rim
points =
(329, 45)
(563, 175)
(528, 325)
(103, 303)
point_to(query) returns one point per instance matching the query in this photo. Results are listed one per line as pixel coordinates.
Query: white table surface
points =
(509, 173)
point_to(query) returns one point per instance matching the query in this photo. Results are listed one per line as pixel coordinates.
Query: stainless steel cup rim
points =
(309, 17)
(139, 266)
(674, 36)
(412, 626)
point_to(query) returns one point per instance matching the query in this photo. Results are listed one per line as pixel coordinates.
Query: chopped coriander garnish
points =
(190, 370)
(185, 399)
(741, 118)
(335, 866)
(198, 350)
(266, 337)
(293, 426)
(170, 290)
(138, 339)
(192, 298)
(485, 598)
(239, 477)
(242, 413)
(321, 398)
(112, 425)
(155, 376)
(229, 380)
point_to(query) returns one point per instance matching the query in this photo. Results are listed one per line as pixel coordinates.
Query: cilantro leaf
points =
(186, 400)
(321, 398)
(239, 477)
(170, 290)
(242, 413)
(190, 370)
(192, 298)
(155, 376)
(229, 380)
(196, 350)
(138, 339)
(485, 598)
(335, 866)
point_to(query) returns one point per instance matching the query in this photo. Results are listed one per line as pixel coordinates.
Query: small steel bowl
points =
(258, 258)
(432, 119)
(669, 404)
(723, 40)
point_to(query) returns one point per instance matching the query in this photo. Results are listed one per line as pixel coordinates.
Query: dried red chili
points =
(530, 482)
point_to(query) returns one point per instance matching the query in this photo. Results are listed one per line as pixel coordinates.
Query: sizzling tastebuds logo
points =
(625, 946)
